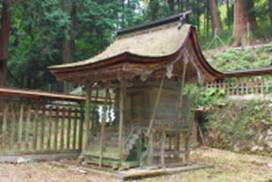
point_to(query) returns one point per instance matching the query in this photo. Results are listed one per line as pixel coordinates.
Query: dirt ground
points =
(228, 166)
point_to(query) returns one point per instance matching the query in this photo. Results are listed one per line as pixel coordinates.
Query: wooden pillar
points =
(178, 144)
(187, 146)
(94, 117)
(162, 154)
(182, 84)
(121, 118)
(180, 117)
(150, 148)
(155, 108)
(86, 120)
(102, 131)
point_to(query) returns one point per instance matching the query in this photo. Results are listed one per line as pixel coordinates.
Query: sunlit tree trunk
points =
(244, 22)
(4, 40)
(216, 24)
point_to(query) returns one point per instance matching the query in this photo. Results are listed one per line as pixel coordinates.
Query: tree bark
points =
(4, 40)
(216, 24)
(244, 22)
(69, 37)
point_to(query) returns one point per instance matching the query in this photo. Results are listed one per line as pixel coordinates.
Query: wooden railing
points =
(39, 122)
(242, 87)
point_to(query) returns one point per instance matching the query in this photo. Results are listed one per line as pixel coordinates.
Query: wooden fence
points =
(242, 87)
(39, 122)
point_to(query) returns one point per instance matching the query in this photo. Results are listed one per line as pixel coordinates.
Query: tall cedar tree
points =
(244, 22)
(216, 24)
(4, 40)
(69, 37)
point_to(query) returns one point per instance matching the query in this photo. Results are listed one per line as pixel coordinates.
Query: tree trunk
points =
(244, 22)
(171, 5)
(4, 40)
(229, 17)
(182, 5)
(206, 18)
(68, 41)
(216, 24)
(270, 10)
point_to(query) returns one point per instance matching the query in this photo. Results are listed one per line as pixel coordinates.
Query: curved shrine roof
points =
(147, 48)
(155, 42)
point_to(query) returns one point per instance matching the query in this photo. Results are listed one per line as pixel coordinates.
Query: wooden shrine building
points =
(145, 118)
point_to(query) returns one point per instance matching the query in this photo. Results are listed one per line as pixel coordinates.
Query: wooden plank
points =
(49, 139)
(35, 127)
(20, 126)
(56, 128)
(62, 126)
(39, 94)
(12, 129)
(42, 127)
(144, 173)
(68, 128)
(27, 131)
(75, 132)
(4, 126)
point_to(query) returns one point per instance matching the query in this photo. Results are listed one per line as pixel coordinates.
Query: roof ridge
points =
(178, 17)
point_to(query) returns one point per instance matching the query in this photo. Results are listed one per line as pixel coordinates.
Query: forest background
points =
(35, 34)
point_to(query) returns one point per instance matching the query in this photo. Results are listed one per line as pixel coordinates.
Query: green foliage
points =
(234, 59)
(204, 97)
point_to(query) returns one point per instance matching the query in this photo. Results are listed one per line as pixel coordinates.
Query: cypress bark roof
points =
(154, 42)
